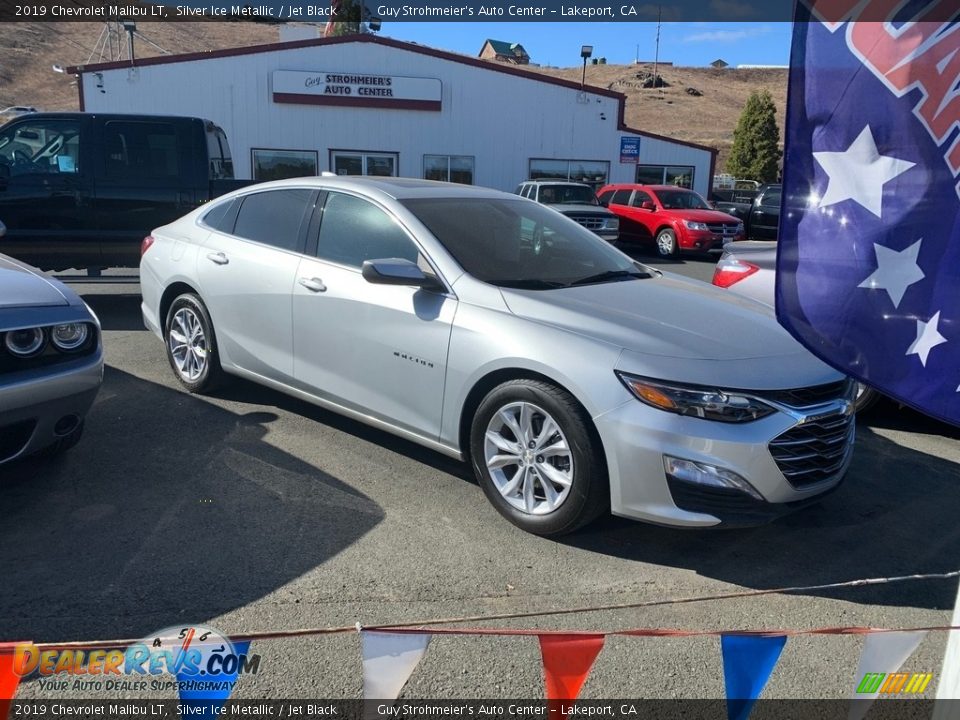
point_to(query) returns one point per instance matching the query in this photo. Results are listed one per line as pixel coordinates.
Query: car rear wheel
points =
(667, 243)
(536, 458)
(191, 344)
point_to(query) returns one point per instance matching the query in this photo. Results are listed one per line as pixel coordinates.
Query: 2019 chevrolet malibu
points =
(51, 362)
(492, 329)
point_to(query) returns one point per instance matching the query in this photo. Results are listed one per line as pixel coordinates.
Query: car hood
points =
(704, 216)
(668, 316)
(567, 208)
(20, 286)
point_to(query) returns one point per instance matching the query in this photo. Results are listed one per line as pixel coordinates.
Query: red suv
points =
(672, 217)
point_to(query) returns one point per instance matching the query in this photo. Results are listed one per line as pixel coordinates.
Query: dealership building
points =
(365, 104)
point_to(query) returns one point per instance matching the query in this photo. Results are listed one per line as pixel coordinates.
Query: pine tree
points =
(755, 141)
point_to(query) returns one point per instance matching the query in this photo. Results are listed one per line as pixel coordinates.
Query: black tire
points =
(589, 492)
(211, 374)
(666, 242)
(63, 444)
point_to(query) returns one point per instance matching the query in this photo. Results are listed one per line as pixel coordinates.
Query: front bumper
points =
(636, 437)
(705, 241)
(32, 403)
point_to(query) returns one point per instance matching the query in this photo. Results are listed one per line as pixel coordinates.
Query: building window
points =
(448, 168)
(679, 175)
(358, 162)
(280, 164)
(592, 172)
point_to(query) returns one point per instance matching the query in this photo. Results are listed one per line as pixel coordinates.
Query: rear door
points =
(247, 276)
(146, 178)
(45, 193)
(632, 228)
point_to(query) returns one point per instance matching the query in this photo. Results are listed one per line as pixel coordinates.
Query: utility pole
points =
(656, 54)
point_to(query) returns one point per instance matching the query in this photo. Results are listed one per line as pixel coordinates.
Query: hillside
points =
(28, 52)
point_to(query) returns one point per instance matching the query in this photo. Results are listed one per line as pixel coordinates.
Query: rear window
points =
(141, 150)
(221, 216)
(621, 197)
(273, 217)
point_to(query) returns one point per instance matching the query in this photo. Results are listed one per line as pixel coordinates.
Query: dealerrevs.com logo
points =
(203, 661)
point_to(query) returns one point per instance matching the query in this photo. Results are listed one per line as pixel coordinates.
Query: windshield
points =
(681, 200)
(567, 195)
(518, 244)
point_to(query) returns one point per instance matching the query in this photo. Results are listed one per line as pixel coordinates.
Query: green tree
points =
(755, 150)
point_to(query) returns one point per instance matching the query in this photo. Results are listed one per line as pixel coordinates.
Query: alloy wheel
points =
(528, 458)
(188, 344)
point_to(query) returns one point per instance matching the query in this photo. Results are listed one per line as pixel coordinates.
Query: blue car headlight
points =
(696, 401)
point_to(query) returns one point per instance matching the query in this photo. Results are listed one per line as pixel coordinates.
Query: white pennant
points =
(388, 661)
(882, 653)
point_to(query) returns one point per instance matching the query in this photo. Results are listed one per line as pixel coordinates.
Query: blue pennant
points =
(748, 661)
(204, 702)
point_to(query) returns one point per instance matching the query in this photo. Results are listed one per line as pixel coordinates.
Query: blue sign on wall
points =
(630, 150)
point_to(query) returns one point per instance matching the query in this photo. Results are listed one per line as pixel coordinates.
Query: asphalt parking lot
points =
(249, 510)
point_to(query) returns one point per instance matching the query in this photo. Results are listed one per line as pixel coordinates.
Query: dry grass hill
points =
(28, 52)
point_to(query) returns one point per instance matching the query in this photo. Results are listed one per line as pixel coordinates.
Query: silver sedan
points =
(51, 362)
(574, 380)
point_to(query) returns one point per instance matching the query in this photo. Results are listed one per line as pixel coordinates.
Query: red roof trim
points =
(387, 42)
(302, 99)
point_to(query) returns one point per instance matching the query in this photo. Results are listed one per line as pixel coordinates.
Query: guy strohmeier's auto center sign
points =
(356, 89)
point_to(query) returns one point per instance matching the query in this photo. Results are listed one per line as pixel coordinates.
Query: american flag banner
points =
(868, 268)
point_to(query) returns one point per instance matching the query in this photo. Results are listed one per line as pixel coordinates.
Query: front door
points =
(378, 349)
(45, 193)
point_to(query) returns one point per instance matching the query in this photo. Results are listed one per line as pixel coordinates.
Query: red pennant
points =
(567, 660)
(9, 680)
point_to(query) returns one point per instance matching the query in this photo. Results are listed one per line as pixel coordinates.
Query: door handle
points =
(313, 284)
(219, 258)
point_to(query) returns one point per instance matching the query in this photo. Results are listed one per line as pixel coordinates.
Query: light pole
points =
(585, 52)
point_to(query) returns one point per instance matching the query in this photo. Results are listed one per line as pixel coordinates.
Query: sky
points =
(558, 44)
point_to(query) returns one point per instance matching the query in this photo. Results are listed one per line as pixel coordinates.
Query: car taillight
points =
(145, 245)
(730, 272)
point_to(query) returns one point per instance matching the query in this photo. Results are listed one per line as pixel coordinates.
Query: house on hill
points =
(504, 52)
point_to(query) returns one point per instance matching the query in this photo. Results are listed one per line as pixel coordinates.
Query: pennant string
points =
(414, 627)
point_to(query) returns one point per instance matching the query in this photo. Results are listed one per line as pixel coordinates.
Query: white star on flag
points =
(928, 337)
(859, 173)
(896, 271)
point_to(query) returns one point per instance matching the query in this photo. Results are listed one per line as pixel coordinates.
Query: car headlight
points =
(693, 401)
(70, 336)
(612, 223)
(26, 342)
(695, 225)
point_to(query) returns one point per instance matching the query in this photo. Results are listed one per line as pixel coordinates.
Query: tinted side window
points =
(353, 230)
(41, 147)
(221, 216)
(273, 217)
(141, 150)
(621, 197)
(639, 198)
(605, 197)
(771, 198)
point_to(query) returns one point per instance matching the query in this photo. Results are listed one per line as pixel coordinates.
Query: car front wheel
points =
(667, 243)
(191, 344)
(536, 458)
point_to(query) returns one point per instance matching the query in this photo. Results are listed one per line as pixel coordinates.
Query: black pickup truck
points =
(759, 209)
(81, 190)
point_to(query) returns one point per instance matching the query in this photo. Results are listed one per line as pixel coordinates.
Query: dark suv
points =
(575, 200)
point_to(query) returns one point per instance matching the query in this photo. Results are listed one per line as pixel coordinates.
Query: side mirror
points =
(648, 205)
(397, 271)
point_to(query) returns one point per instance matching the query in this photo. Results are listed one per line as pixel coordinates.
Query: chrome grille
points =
(815, 395)
(814, 451)
(591, 222)
(722, 228)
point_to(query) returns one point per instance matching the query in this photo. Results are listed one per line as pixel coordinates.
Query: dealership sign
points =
(356, 89)
(630, 150)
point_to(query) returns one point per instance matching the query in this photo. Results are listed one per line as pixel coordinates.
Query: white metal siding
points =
(502, 120)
